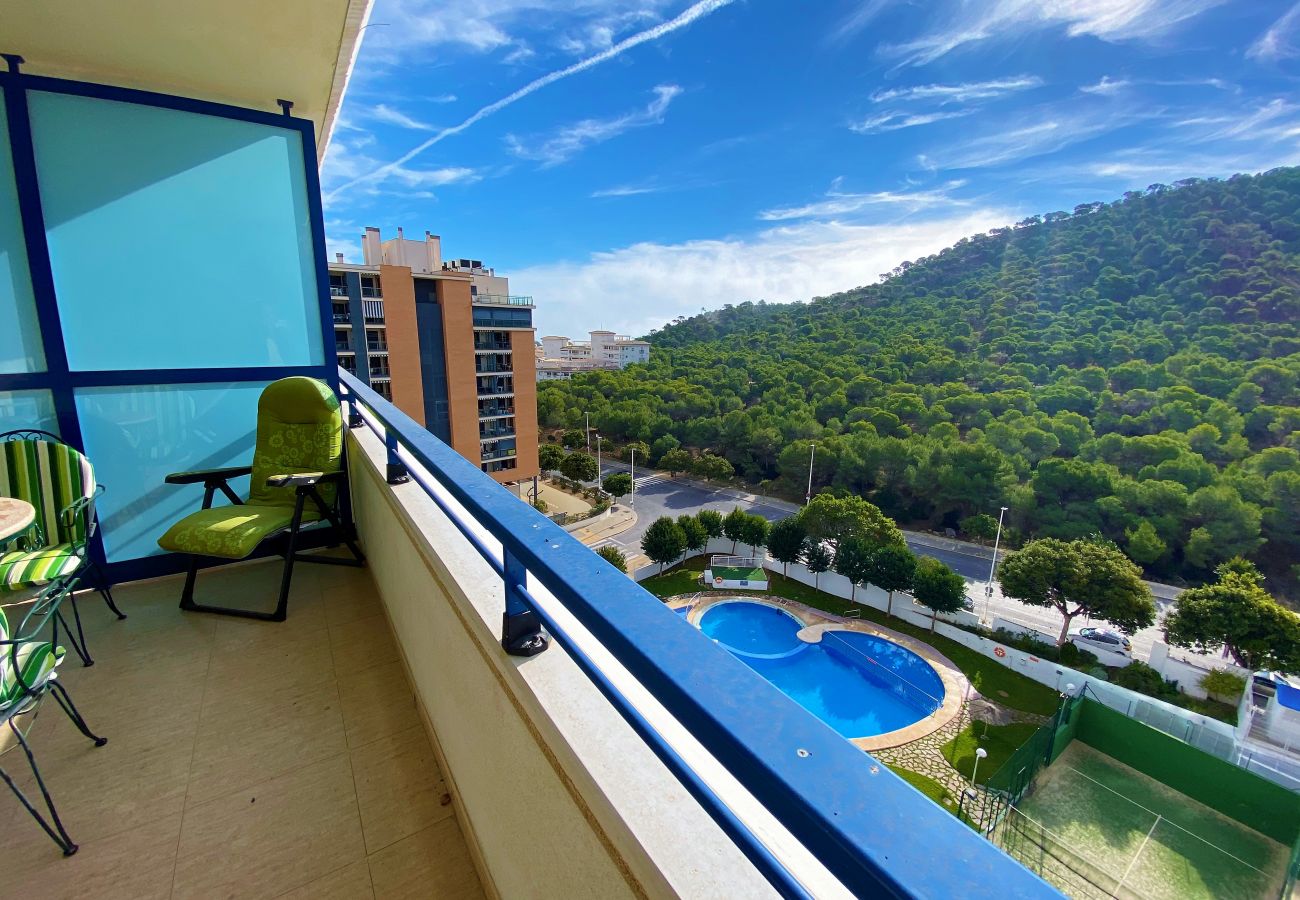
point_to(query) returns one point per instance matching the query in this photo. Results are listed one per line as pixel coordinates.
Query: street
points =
(659, 495)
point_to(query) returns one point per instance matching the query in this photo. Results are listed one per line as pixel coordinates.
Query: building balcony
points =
(495, 412)
(490, 455)
(336, 291)
(491, 346)
(381, 740)
(503, 300)
(492, 434)
(376, 348)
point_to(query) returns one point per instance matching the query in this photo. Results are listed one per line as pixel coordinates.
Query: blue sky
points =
(628, 161)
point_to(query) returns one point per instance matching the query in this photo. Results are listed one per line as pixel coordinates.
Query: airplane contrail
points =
(695, 11)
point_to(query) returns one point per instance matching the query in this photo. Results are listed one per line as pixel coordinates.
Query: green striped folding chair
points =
(27, 673)
(60, 484)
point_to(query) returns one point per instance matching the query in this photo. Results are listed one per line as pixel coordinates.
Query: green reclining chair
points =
(60, 484)
(297, 457)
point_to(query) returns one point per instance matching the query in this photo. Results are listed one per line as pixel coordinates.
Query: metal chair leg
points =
(57, 833)
(64, 699)
(82, 648)
(106, 591)
(78, 643)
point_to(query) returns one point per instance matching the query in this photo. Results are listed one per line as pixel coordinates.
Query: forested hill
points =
(1128, 369)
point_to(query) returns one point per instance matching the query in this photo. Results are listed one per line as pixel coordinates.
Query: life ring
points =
(718, 581)
(999, 652)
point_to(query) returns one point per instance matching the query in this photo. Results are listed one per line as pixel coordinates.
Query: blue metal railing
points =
(872, 831)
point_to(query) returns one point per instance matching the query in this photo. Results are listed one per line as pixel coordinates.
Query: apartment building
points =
(446, 342)
(558, 357)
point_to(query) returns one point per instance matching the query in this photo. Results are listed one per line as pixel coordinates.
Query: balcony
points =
(495, 412)
(487, 434)
(491, 346)
(376, 348)
(503, 300)
(338, 291)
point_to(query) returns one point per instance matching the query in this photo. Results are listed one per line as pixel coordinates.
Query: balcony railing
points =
(377, 348)
(857, 822)
(494, 433)
(336, 291)
(495, 412)
(491, 346)
(503, 300)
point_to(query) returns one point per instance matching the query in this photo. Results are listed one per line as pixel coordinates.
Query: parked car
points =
(1101, 639)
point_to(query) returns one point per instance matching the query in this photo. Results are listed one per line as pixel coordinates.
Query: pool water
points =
(859, 684)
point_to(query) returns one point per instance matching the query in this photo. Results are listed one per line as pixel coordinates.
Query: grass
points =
(928, 786)
(989, 677)
(998, 741)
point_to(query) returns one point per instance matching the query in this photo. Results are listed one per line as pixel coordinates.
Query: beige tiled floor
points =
(245, 759)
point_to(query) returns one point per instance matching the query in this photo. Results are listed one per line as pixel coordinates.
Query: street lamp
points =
(988, 587)
(586, 421)
(812, 454)
(980, 753)
(632, 502)
(597, 462)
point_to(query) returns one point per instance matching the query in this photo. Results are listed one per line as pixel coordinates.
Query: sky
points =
(626, 162)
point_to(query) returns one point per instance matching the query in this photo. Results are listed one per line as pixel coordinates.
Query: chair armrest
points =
(208, 476)
(302, 479)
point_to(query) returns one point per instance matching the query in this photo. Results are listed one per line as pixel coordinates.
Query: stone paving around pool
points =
(919, 750)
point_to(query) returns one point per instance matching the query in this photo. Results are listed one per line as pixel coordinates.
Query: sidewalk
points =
(618, 521)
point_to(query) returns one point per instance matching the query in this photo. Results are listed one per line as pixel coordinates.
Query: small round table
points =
(15, 516)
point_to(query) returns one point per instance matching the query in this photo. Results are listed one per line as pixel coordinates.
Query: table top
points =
(15, 515)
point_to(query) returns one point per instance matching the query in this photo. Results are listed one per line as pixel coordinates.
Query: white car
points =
(1093, 639)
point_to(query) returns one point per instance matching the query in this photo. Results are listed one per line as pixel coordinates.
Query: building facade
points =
(558, 357)
(446, 342)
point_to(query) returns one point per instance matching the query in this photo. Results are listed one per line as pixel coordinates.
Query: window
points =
(370, 287)
(338, 284)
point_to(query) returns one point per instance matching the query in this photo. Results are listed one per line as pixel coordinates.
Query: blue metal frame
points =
(58, 378)
(874, 832)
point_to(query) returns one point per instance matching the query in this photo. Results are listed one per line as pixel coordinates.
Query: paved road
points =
(658, 495)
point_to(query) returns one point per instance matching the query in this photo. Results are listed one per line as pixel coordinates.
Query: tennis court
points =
(1096, 827)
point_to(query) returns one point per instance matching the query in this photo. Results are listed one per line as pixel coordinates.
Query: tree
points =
(754, 531)
(892, 569)
(697, 537)
(636, 452)
(938, 588)
(675, 460)
(1080, 576)
(579, 467)
(1144, 544)
(733, 526)
(710, 467)
(1237, 614)
(817, 558)
(711, 519)
(836, 519)
(618, 484)
(663, 541)
(853, 561)
(785, 542)
(573, 439)
(614, 557)
(980, 526)
(549, 457)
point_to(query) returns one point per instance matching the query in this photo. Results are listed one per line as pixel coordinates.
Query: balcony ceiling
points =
(242, 52)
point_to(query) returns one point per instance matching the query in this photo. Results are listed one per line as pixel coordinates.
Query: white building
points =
(558, 357)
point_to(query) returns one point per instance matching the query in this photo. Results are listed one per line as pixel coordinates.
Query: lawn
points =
(928, 786)
(999, 741)
(989, 677)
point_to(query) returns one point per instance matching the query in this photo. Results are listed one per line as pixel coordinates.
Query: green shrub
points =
(1223, 684)
(1076, 657)
(1138, 676)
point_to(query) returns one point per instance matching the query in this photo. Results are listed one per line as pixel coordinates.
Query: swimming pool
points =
(859, 684)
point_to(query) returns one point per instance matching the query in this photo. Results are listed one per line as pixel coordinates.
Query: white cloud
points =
(1107, 85)
(346, 161)
(624, 190)
(688, 16)
(960, 93)
(569, 140)
(655, 282)
(1261, 125)
(1107, 20)
(386, 113)
(1278, 42)
(1143, 165)
(838, 203)
(894, 121)
(1032, 133)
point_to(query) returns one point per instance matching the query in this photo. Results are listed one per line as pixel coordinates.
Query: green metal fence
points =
(1010, 783)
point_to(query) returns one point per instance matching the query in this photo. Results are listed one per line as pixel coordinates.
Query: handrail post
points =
(521, 630)
(396, 472)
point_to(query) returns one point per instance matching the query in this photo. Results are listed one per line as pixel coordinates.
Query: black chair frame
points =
(304, 485)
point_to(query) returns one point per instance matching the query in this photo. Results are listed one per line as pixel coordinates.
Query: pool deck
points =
(955, 684)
